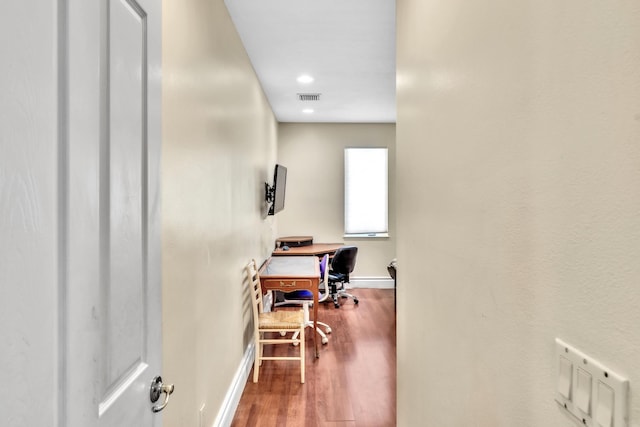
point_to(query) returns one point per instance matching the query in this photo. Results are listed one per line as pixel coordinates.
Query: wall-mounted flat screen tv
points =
(278, 189)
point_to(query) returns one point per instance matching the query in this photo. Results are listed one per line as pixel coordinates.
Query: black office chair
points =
(342, 265)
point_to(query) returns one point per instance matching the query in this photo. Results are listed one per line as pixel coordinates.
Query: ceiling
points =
(347, 46)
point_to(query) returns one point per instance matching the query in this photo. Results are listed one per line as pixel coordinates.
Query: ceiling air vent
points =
(308, 97)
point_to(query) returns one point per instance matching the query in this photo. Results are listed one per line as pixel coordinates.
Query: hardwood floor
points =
(352, 384)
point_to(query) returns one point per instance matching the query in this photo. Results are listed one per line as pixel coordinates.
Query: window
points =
(365, 192)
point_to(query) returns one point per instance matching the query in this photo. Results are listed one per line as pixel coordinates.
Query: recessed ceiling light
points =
(305, 78)
(308, 110)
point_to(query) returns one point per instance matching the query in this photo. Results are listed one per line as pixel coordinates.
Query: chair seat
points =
(337, 277)
(283, 319)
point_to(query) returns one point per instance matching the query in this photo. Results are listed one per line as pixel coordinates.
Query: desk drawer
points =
(285, 284)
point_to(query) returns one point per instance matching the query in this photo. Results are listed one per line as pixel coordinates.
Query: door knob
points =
(157, 388)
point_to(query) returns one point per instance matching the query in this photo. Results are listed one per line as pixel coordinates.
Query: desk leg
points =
(315, 321)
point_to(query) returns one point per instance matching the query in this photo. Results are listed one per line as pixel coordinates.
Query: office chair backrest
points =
(324, 266)
(344, 260)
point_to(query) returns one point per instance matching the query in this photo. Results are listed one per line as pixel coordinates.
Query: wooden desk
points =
(317, 249)
(290, 273)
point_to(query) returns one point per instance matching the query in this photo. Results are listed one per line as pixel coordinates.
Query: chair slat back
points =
(256, 288)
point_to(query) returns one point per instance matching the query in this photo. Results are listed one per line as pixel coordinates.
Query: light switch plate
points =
(565, 377)
(606, 402)
(600, 374)
(584, 389)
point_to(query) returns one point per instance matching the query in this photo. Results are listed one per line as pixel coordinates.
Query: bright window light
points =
(366, 192)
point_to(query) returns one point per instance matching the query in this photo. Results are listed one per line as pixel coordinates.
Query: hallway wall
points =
(518, 207)
(219, 148)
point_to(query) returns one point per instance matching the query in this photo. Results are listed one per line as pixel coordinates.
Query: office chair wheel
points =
(336, 305)
(355, 300)
(325, 340)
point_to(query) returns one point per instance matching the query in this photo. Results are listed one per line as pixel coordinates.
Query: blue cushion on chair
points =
(298, 295)
(304, 294)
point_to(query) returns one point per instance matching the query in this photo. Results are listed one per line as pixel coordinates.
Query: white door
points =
(113, 262)
(79, 194)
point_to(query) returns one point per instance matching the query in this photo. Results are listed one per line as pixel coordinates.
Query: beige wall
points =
(219, 148)
(314, 203)
(518, 145)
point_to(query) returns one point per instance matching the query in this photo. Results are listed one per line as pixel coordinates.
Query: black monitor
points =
(275, 194)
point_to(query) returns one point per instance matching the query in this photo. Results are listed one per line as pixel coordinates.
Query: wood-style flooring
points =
(352, 384)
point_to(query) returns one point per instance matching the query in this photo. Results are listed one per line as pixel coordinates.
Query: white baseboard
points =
(371, 282)
(232, 399)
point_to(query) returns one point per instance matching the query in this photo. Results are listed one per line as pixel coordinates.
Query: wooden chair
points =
(273, 323)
